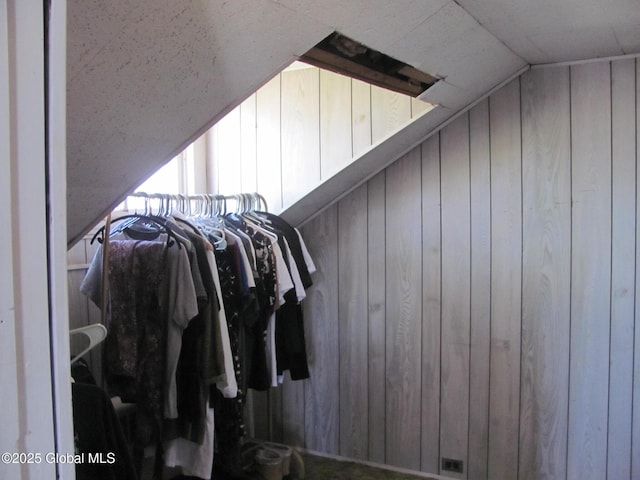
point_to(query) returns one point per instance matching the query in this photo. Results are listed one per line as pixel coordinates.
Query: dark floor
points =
(321, 468)
(305, 466)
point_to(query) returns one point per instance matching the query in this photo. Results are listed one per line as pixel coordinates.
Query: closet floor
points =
(323, 468)
(320, 468)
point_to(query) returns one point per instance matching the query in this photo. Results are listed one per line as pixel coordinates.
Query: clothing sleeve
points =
(183, 290)
(92, 283)
(295, 274)
(183, 305)
(307, 257)
(285, 283)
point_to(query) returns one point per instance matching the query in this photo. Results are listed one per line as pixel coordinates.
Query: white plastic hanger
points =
(96, 334)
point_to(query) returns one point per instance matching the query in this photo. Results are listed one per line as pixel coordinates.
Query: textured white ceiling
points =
(145, 78)
(546, 31)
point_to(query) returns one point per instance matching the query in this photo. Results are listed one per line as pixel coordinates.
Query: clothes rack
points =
(201, 204)
(207, 290)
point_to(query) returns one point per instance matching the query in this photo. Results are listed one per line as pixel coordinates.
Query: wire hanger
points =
(157, 221)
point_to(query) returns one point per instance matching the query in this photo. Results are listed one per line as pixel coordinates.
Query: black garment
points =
(289, 329)
(98, 431)
(291, 351)
(294, 244)
(258, 376)
(201, 358)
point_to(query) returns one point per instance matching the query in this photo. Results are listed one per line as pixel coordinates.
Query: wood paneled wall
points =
(476, 300)
(299, 129)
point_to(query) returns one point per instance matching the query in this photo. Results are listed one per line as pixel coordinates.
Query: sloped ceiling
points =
(146, 78)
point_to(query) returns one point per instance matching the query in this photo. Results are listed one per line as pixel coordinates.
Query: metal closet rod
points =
(211, 204)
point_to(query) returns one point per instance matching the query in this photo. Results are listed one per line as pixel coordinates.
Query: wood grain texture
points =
(299, 129)
(335, 123)
(248, 145)
(226, 147)
(353, 329)
(480, 328)
(623, 129)
(389, 110)
(456, 253)
(293, 412)
(269, 166)
(360, 116)
(300, 126)
(546, 157)
(477, 274)
(506, 290)
(403, 310)
(526, 261)
(376, 283)
(431, 306)
(322, 409)
(418, 107)
(590, 270)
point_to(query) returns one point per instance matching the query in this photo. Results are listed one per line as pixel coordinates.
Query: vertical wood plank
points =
(590, 270)
(293, 412)
(322, 409)
(506, 290)
(418, 107)
(226, 149)
(456, 252)
(197, 171)
(211, 166)
(353, 328)
(389, 110)
(377, 315)
(622, 268)
(248, 145)
(300, 139)
(360, 116)
(431, 289)
(335, 123)
(480, 327)
(546, 263)
(269, 166)
(404, 310)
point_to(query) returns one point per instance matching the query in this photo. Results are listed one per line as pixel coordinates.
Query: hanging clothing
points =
(97, 431)
(197, 314)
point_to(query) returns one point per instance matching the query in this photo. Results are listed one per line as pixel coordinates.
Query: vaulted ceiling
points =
(146, 78)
